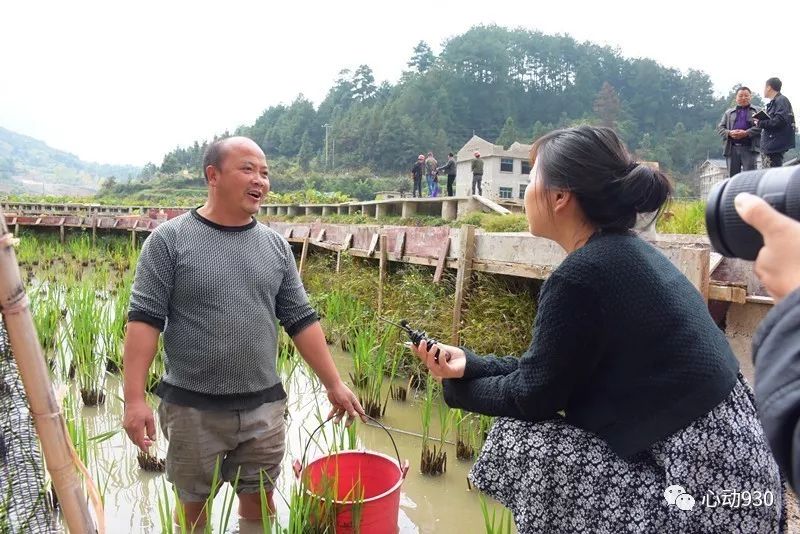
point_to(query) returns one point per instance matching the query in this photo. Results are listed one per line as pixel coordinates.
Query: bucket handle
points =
(299, 464)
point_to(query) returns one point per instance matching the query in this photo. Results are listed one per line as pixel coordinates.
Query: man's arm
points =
(141, 343)
(310, 342)
(778, 118)
(722, 127)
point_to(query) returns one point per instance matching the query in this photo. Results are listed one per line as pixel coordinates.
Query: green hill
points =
(29, 165)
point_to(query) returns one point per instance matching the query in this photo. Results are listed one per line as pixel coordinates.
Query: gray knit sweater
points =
(217, 293)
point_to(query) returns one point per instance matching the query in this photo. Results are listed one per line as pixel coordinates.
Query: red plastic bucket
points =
(363, 485)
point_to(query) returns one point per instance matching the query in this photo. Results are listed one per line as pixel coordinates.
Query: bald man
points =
(216, 282)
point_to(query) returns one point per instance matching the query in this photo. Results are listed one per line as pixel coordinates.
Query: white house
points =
(710, 172)
(505, 172)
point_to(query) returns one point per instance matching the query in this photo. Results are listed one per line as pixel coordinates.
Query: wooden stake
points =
(303, 255)
(345, 245)
(382, 272)
(437, 276)
(466, 241)
(372, 245)
(94, 230)
(61, 229)
(400, 247)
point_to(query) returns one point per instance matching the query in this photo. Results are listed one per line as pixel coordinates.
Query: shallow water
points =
(428, 504)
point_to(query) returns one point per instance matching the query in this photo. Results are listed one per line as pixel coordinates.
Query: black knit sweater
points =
(623, 344)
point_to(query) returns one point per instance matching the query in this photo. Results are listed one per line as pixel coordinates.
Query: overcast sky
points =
(125, 82)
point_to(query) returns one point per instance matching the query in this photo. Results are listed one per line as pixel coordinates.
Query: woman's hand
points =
(451, 361)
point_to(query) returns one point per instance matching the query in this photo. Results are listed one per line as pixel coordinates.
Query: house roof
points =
(487, 149)
(714, 162)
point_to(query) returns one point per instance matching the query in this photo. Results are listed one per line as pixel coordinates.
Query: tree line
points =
(502, 84)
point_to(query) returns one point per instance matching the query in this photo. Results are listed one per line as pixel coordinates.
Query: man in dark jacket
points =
(776, 345)
(477, 173)
(777, 132)
(740, 136)
(416, 175)
(449, 168)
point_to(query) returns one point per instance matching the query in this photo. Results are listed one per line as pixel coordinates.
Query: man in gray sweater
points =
(216, 282)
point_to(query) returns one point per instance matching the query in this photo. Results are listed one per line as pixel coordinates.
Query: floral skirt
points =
(715, 475)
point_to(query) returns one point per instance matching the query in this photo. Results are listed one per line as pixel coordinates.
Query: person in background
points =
(740, 136)
(777, 132)
(430, 172)
(776, 345)
(477, 173)
(449, 169)
(216, 282)
(417, 170)
(623, 415)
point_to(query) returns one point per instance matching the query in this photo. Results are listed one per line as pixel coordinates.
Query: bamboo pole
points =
(47, 417)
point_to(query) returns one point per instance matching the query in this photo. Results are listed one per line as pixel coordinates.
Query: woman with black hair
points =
(627, 413)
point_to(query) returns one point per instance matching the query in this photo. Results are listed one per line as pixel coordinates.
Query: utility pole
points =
(333, 152)
(326, 126)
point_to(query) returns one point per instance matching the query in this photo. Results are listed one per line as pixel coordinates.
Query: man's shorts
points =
(245, 441)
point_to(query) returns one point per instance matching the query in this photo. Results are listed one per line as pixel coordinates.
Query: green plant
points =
(506, 520)
(465, 434)
(85, 317)
(498, 300)
(433, 459)
(683, 217)
(46, 310)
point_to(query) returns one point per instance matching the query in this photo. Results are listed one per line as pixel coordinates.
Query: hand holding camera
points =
(450, 367)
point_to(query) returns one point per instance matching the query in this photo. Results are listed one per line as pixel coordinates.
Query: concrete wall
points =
(741, 323)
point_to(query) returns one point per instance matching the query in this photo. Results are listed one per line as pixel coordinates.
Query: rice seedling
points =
(465, 436)
(362, 345)
(166, 517)
(227, 499)
(27, 250)
(485, 423)
(399, 392)
(102, 278)
(113, 330)
(118, 258)
(81, 249)
(374, 368)
(433, 459)
(150, 462)
(85, 317)
(506, 520)
(46, 310)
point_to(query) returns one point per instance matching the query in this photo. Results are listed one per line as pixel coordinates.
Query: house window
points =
(526, 166)
(505, 192)
(506, 165)
(522, 188)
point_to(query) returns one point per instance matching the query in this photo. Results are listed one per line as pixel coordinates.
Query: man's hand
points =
(139, 424)
(452, 367)
(344, 402)
(778, 262)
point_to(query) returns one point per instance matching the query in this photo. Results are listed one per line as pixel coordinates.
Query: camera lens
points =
(729, 234)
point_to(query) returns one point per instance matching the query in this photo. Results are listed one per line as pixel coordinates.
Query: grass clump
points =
(494, 300)
(683, 217)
